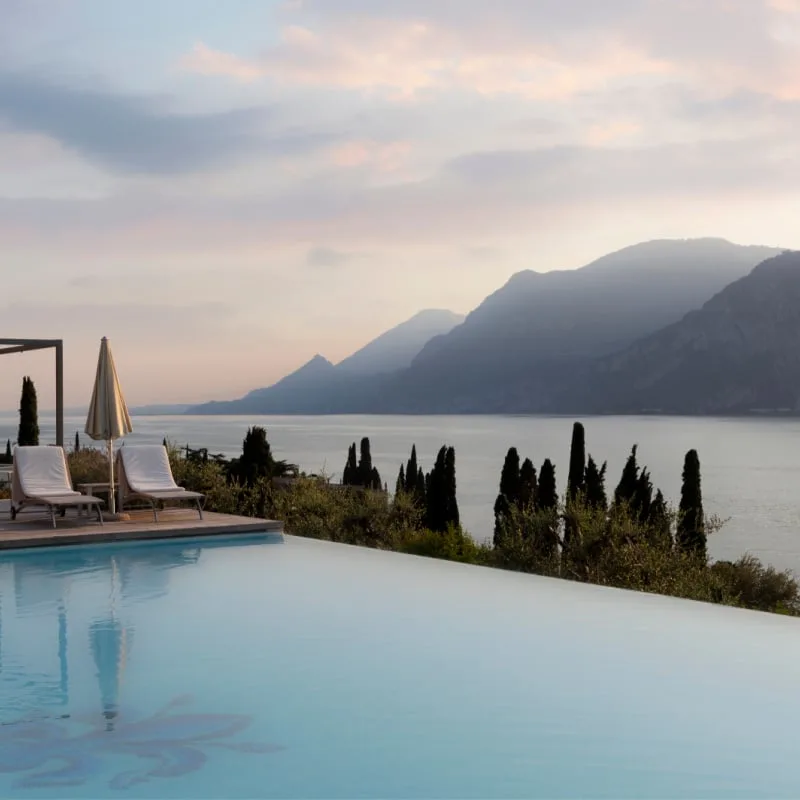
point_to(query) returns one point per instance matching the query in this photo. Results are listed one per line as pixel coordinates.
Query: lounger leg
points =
(53, 515)
(99, 514)
(155, 513)
(199, 508)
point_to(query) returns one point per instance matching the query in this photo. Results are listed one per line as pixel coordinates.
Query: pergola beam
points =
(8, 346)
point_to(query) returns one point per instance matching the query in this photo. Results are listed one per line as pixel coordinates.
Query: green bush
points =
(89, 465)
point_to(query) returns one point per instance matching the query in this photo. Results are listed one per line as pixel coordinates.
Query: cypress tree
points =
(691, 534)
(350, 474)
(77, 442)
(421, 487)
(626, 488)
(412, 471)
(28, 433)
(400, 486)
(547, 493)
(365, 464)
(9, 457)
(452, 516)
(509, 494)
(659, 520)
(527, 485)
(642, 501)
(436, 494)
(375, 482)
(577, 463)
(595, 485)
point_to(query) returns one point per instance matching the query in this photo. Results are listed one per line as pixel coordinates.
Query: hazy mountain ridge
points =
(319, 386)
(550, 342)
(739, 353)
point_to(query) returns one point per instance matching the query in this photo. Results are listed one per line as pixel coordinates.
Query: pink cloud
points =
(406, 58)
(384, 157)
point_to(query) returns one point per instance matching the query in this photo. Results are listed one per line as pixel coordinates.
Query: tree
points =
(256, 460)
(9, 457)
(626, 488)
(642, 500)
(595, 485)
(547, 495)
(28, 433)
(577, 463)
(350, 474)
(527, 485)
(452, 517)
(400, 486)
(660, 521)
(691, 533)
(367, 475)
(412, 471)
(509, 494)
(441, 503)
(435, 494)
(365, 463)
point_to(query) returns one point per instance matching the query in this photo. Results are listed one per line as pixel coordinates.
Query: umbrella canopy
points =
(108, 417)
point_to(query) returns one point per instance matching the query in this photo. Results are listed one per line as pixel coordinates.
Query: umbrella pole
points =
(112, 494)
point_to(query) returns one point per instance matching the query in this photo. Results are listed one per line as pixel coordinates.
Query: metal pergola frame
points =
(8, 346)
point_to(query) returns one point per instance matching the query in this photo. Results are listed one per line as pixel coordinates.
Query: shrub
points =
(88, 465)
(755, 586)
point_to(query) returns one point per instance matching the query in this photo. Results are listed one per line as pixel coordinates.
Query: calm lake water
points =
(750, 467)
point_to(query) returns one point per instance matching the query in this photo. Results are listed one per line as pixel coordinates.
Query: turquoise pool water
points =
(259, 668)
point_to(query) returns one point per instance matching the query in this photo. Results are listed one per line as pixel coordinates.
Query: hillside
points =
(320, 387)
(397, 348)
(515, 351)
(526, 347)
(739, 353)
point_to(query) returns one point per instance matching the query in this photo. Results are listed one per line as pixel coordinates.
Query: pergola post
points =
(60, 393)
(8, 346)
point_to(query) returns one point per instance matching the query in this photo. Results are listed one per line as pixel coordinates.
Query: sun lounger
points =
(42, 479)
(145, 474)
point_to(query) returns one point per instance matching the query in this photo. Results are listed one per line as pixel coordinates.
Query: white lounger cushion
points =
(41, 471)
(147, 469)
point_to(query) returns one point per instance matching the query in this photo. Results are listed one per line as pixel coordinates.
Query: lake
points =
(750, 467)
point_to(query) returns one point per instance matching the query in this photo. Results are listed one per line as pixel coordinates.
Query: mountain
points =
(320, 387)
(527, 346)
(739, 353)
(397, 348)
(516, 350)
(159, 410)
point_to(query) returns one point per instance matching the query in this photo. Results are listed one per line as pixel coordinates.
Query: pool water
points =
(258, 667)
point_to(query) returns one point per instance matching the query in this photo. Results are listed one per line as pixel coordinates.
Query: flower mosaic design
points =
(169, 744)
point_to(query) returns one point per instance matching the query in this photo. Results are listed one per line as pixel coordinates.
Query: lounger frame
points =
(154, 497)
(56, 503)
(52, 501)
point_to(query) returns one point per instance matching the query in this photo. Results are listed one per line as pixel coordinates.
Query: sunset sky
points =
(225, 189)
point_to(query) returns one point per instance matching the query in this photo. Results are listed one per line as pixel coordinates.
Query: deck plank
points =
(34, 529)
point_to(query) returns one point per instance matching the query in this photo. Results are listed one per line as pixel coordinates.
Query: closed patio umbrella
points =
(108, 417)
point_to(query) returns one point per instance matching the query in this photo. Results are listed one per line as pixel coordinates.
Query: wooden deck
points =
(32, 528)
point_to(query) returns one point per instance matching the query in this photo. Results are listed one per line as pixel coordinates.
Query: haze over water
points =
(750, 467)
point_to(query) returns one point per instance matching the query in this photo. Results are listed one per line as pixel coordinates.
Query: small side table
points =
(91, 488)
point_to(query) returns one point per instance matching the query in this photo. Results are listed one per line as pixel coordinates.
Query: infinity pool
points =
(265, 668)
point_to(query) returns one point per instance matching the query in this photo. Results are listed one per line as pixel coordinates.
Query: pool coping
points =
(20, 534)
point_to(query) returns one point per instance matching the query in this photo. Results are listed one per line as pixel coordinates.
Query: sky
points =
(225, 189)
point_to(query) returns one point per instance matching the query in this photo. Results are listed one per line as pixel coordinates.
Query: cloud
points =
(536, 49)
(136, 134)
(409, 57)
(328, 257)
